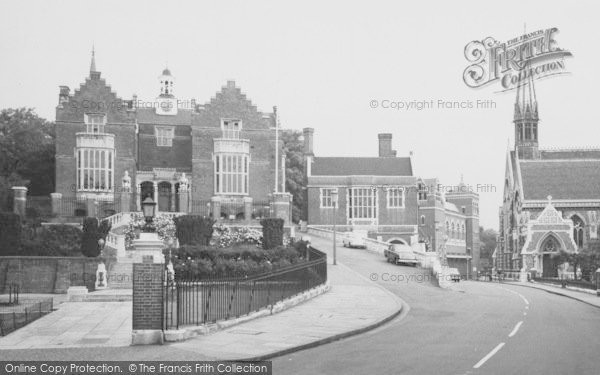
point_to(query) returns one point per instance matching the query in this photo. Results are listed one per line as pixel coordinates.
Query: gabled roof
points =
(149, 116)
(361, 166)
(562, 179)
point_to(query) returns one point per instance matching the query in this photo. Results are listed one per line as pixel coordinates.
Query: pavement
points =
(585, 297)
(75, 324)
(347, 309)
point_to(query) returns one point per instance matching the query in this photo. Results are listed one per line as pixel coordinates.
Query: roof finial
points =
(93, 64)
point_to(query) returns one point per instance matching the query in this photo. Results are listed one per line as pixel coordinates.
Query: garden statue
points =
(126, 183)
(183, 182)
(101, 282)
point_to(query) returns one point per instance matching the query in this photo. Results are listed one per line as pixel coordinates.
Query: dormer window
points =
(164, 136)
(231, 128)
(94, 123)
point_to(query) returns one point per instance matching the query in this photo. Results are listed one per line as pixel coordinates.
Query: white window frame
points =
(164, 135)
(325, 198)
(95, 169)
(231, 172)
(393, 196)
(358, 209)
(231, 128)
(94, 127)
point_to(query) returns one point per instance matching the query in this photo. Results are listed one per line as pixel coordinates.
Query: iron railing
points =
(13, 295)
(16, 316)
(566, 282)
(192, 302)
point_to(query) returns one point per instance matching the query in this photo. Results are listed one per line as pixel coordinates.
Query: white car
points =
(355, 239)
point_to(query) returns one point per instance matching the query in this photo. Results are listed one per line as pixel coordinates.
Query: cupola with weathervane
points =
(166, 101)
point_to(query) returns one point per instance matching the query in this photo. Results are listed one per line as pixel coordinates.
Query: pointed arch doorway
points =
(549, 250)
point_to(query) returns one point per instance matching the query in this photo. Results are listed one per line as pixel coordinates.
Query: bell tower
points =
(526, 120)
(167, 102)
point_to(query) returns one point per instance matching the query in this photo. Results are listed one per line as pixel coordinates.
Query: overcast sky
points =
(321, 63)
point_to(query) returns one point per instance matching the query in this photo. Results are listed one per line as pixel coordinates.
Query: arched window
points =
(550, 245)
(447, 229)
(578, 226)
(422, 219)
(464, 234)
(453, 233)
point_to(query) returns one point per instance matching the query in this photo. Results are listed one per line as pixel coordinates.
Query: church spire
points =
(526, 107)
(526, 117)
(93, 64)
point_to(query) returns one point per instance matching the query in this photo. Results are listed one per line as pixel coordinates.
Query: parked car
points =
(355, 238)
(454, 275)
(400, 254)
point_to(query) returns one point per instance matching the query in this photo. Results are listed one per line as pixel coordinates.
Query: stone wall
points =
(47, 274)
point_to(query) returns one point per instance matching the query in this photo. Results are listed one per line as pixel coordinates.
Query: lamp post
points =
(334, 200)
(149, 209)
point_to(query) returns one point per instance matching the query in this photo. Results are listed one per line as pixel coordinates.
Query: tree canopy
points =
(294, 170)
(26, 153)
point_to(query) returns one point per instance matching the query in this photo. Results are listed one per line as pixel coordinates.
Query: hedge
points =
(272, 232)
(10, 233)
(193, 229)
(56, 240)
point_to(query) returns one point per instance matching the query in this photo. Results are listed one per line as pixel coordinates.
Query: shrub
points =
(272, 232)
(61, 240)
(92, 232)
(193, 229)
(10, 233)
(89, 239)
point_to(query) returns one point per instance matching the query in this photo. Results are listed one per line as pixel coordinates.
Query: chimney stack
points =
(308, 141)
(385, 145)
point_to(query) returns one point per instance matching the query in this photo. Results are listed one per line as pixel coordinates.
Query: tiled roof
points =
(149, 116)
(564, 179)
(450, 207)
(358, 166)
(570, 154)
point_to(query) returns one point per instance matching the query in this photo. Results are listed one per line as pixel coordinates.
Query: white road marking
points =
(527, 307)
(525, 313)
(489, 355)
(514, 331)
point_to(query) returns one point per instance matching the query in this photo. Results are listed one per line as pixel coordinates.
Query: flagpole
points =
(276, 149)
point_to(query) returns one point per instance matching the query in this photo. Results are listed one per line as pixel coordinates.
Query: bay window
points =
(95, 169)
(231, 174)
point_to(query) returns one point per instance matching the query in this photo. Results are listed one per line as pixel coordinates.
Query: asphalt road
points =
(482, 328)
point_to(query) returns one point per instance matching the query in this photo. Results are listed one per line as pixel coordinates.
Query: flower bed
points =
(237, 260)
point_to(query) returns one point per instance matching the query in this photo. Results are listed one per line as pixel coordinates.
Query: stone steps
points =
(108, 295)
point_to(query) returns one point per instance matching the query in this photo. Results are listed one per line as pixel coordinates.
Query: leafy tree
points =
(26, 152)
(487, 239)
(294, 170)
